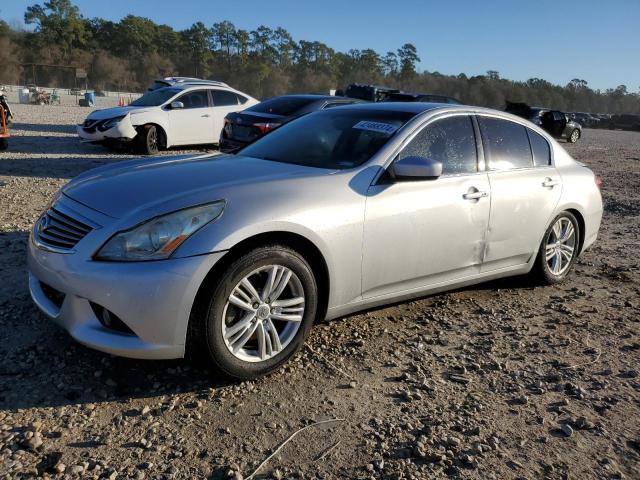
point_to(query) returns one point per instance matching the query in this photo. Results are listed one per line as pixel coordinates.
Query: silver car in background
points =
(234, 257)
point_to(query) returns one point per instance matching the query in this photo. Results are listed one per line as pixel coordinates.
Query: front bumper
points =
(153, 299)
(123, 130)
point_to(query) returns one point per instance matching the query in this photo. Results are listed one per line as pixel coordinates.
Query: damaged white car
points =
(182, 114)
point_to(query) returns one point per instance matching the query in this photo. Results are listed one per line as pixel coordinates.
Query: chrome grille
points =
(60, 230)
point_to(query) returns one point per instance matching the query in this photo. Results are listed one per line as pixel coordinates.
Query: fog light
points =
(110, 320)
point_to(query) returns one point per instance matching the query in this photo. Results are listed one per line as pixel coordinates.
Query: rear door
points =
(224, 102)
(525, 189)
(191, 124)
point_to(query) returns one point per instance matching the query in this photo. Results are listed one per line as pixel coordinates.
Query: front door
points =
(525, 189)
(421, 233)
(193, 123)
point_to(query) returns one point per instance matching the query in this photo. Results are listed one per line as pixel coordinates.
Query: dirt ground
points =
(504, 380)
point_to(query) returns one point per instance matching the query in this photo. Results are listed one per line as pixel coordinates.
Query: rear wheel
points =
(259, 313)
(575, 135)
(148, 140)
(558, 250)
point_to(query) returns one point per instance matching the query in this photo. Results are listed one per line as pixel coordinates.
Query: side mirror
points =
(176, 104)
(416, 168)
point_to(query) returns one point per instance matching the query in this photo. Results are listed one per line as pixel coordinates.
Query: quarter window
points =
(540, 149)
(505, 143)
(196, 99)
(451, 141)
(223, 98)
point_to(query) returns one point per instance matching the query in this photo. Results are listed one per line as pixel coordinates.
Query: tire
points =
(148, 140)
(543, 268)
(4, 143)
(575, 135)
(217, 331)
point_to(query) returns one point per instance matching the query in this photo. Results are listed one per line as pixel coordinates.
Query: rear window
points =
(505, 143)
(338, 138)
(224, 98)
(284, 106)
(540, 149)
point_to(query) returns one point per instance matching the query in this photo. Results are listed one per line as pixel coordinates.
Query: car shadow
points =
(42, 366)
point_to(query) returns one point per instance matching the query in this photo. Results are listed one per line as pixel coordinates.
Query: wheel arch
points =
(161, 130)
(581, 224)
(295, 241)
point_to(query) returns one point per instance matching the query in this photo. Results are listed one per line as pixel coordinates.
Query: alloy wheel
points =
(263, 313)
(153, 140)
(561, 245)
(574, 136)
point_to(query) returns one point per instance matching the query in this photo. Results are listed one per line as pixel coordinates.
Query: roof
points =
(407, 107)
(185, 86)
(177, 81)
(317, 96)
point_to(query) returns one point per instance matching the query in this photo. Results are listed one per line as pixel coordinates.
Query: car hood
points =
(119, 189)
(105, 113)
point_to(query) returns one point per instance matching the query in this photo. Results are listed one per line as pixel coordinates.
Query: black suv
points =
(370, 93)
(554, 122)
(420, 97)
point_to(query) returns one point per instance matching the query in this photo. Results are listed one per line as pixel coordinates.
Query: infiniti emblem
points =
(44, 223)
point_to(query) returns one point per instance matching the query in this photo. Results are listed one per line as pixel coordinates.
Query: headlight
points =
(111, 123)
(158, 238)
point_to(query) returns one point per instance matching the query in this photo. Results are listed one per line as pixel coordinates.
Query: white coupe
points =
(186, 113)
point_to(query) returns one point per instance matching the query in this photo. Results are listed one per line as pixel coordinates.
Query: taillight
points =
(266, 127)
(226, 130)
(598, 180)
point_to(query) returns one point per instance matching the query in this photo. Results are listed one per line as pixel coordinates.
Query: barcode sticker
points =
(379, 127)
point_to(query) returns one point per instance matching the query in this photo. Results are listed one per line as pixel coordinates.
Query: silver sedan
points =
(234, 257)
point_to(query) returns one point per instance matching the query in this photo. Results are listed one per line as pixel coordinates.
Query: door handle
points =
(206, 115)
(549, 183)
(475, 195)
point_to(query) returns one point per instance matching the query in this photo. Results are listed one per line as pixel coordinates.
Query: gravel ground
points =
(503, 380)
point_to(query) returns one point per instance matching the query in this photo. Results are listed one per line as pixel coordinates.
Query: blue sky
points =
(596, 40)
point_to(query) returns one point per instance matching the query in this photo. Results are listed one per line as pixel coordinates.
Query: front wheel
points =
(558, 250)
(575, 135)
(259, 313)
(148, 140)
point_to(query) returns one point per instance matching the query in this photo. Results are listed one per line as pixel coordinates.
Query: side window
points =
(540, 149)
(506, 144)
(195, 99)
(451, 141)
(224, 98)
(241, 99)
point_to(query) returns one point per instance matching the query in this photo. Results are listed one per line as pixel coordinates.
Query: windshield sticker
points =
(379, 127)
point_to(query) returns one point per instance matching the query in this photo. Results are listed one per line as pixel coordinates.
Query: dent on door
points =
(522, 204)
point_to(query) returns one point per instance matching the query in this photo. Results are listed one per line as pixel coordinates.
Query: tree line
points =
(129, 54)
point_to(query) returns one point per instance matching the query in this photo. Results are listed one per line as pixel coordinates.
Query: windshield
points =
(156, 97)
(335, 139)
(284, 106)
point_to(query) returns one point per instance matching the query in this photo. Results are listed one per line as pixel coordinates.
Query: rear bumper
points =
(153, 299)
(229, 146)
